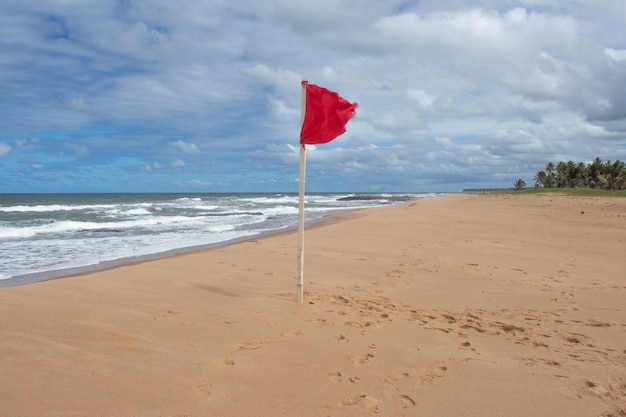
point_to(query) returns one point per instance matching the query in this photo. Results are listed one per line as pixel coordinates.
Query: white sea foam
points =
(49, 208)
(15, 233)
(73, 231)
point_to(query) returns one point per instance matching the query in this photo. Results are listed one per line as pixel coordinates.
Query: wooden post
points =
(300, 269)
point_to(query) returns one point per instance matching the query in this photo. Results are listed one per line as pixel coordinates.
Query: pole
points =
(300, 269)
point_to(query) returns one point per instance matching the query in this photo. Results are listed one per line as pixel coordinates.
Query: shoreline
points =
(101, 261)
(463, 305)
(35, 277)
(126, 261)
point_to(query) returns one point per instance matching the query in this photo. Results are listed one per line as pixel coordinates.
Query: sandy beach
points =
(463, 305)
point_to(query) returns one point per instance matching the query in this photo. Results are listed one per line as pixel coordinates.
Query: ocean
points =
(45, 236)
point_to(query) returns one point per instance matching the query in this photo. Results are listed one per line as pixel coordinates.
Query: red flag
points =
(325, 116)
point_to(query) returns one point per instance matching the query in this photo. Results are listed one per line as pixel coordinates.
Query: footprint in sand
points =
(362, 400)
(249, 345)
(435, 373)
(406, 401)
(361, 359)
(358, 324)
(167, 314)
(595, 323)
(342, 338)
(395, 382)
(335, 376)
(403, 375)
(204, 389)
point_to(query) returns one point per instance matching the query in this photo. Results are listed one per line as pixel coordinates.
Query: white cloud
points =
(178, 163)
(283, 112)
(4, 150)
(424, 100)
(78, 105)
(26, 144)
(284, 82)
(189, 148)
(80, 150)
(442, 86)
(616, 54)
(198, 183)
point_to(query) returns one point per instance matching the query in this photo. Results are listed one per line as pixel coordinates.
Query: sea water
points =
(43, 236)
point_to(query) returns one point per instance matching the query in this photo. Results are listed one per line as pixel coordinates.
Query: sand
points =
(464, 305)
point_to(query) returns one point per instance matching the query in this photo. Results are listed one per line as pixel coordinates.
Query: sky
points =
(205, 96)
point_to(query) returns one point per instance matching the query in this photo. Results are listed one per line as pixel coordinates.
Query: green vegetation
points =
(579, 192)
(520, 184)
(597, 175)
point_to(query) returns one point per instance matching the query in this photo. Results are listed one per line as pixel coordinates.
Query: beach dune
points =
(463, 305)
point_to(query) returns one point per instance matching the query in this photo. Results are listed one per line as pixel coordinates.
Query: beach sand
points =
(463, 305)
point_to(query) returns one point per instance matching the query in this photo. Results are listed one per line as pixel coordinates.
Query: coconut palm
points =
(540, 179)
(550, 179)
(597, 174)
(562, 178)
(594, 171)
(614, 175)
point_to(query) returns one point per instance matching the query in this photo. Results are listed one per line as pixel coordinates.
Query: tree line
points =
(597, 174)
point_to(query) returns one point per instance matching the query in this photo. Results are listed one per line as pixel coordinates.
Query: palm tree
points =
(614, 175)
(597, 174)
(594, 171)
(583, 175)
(562, 179)
(550, 179)
(573, 174)
(520, 184)
(540, 179)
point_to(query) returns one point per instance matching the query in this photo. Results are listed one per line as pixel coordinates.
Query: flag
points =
(326, 115)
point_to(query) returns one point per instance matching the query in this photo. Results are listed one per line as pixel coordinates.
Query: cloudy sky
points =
(204, 95)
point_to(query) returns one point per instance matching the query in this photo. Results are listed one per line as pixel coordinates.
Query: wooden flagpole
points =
(300, 269)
